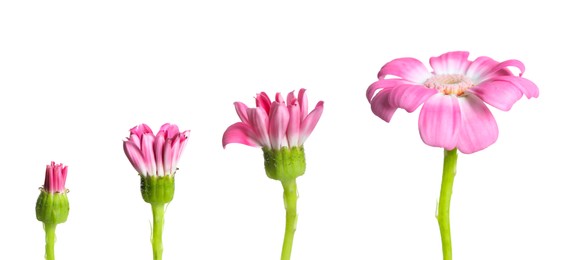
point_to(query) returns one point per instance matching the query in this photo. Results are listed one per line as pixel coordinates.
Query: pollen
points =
(449, 84)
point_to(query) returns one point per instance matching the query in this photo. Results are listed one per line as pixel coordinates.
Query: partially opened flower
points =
(156, 158)
(453, 95)
(52, 206)
(453, 115)
(280, 128)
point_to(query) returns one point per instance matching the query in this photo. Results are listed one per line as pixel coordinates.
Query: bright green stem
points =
(157, 246)
(50, 240)
(449, 166)
(290, 201)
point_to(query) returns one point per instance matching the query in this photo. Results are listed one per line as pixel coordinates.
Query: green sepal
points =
(285, 163)
(52, 208)
(157, 190)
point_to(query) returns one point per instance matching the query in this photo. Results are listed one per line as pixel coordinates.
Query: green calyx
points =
(157, 190)
(285, 163)
(52, 208)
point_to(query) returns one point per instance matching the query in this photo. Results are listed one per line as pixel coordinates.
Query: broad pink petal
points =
(260, 123)
(242, 111)
(310, 122)
(503, 66)
(409, 97)
(263, 101)
(526, 86)
(380, 105)
(158, 150)
(294, 125)
(240, 133)
(499, 94)
(480, 67)
(478, 127)
(407, 68)
(148, 153)
(279, 118)
(450, 63)
(135, 157)
(381, 84)
(302, 99)
(439, 121)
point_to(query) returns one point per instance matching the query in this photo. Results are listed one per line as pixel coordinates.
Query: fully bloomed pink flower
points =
(155, 155)
(275, 124)
(55, 180)
(454, 114)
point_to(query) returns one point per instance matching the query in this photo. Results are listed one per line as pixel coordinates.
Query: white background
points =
(75, 76)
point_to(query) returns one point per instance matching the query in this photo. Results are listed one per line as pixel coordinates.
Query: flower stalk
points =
(50, 230)
(449, 171)
(158, 210)
(290, 201)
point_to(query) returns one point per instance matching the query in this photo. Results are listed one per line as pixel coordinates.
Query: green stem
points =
(290, 201)
(158, 214)
(449, 169)
(50, 240)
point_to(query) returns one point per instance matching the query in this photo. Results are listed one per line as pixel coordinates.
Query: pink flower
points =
(155, 155)
(275, 124)
(454, 114)
(55, 180)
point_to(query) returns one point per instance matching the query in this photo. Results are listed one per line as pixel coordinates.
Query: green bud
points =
(52, 208)
(157, 189)
(284, 164)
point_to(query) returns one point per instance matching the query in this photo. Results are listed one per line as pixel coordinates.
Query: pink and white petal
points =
(279, 98)
(259, 122)
(291, 99)
(383, 84)
(409, 97)
(380, 105)
(479, 68)
(242, 111)
(148, 153)
(499, 94)
(183, 143)
(240, 133)
(168, 154)
(302, 99)
(478, 127)
(175, 155)
(294, 125)
(527, 87)
(407, 68)
(264, 102)
(310, 122)
(503, 66)
(450, 63)
(158, 151)
(439, 121)
(279, 119)
(135, 157)
(139, 130)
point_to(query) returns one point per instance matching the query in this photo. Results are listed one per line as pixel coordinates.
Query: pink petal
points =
(139, 130)
(148, 153)
(264, 102)
(526, 86)
(291, 100)
(484, 68)
(439, 121)
(381, 84)
(183, 138)
(380, 105)
(168, 155)
(503, 66)
(158, 151)
(260, 123)
(450, 63)
(499, 94)
(478, 127)
(293, 125)
(135, 157)
(310, 122)
(279, 118)
(302, 99)
(242, 111)
(279, 98)
(407, 68)
(239, 133)
(409, 97)
(175, 155)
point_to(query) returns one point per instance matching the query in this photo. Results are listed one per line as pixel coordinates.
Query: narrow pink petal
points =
(279, 98)
(240, 133)
(183, 142)
(260, 123)
(168, 154)
(279, 118)
(172, 131)
(310, 122)
(407, 68)
(439, 121)
(409, 97)
(135, 157)
(63, 178)
(175, 155)
(302, 99)
(504, 65)
(242, 111)
(148, 153)
(499, 94)
(49, 178)
(528, 88)
(291, 99)
(450, 63)
(381, 84)
(380, 105)
(159, 150)
(293, 125)
(139, 130)
(134, 138)
(264, 102)
(478, 127)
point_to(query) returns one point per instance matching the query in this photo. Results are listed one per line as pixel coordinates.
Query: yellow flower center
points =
(449, 84)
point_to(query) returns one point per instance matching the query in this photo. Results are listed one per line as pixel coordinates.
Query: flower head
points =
(155, 155)
(55, 180)
(454, 114)
(276, 124)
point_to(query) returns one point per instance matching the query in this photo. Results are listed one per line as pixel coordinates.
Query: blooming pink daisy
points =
(454, 114)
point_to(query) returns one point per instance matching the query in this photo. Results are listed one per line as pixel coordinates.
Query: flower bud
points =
(157, 189)
(52, 208)
(285, 163)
